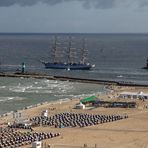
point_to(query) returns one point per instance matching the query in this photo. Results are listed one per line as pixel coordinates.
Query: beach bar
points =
(133, 95)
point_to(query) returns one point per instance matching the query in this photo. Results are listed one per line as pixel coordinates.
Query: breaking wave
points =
(5, 99)
(25, 92)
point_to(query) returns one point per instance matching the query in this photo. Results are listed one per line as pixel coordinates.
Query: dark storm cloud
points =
(85, 3)
(6, 3)
(99, 4)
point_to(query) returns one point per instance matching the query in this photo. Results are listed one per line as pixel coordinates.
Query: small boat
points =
(68, 58)
(120, 76)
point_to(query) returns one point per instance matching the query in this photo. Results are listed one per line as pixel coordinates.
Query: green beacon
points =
(23, 67)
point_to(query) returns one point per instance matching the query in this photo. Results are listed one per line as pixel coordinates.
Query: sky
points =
(74, 16)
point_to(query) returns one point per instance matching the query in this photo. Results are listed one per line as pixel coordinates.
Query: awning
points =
(89, 99)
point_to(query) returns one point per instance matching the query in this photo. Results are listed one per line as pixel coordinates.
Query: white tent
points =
(134, 95)
(80, 106)
(45, 113)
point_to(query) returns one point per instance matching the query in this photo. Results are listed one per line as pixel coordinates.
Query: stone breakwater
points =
(72, 79)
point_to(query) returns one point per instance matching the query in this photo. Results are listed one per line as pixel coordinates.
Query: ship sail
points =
(68, 57)
(84, 53)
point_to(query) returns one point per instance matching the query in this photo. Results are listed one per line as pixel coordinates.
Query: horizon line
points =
(73, 32)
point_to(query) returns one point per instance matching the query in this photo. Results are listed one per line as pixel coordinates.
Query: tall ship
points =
(68, 57)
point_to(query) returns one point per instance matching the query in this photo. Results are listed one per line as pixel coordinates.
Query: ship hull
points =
(145, 67)
(67, 66)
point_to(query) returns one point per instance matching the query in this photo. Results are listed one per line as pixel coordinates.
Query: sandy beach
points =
(131, 132)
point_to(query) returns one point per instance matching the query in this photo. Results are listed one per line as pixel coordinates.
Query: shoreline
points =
(107, 86)
(109, 90)
(8, 116)
(39, 76)
(59, 101)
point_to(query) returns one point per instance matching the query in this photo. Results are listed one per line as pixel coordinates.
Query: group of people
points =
(69, 119)
(12, 138)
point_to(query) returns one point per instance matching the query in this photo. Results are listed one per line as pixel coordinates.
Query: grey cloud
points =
(144, 3)
(52, 2)
(85, 3)
(6, 3)
(99, 4)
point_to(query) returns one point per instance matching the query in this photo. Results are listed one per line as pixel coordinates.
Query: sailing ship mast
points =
(54, 49)
(72, 53)
(57, 52)
(68, 57)
(69, 51)
(84, 52)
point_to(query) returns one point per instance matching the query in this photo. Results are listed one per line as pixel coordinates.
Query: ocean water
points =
(118, 57)
(17, 93)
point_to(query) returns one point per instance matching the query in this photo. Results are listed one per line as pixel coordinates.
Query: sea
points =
(117, 57)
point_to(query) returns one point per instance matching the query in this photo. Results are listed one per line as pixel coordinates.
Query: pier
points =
(71, 79)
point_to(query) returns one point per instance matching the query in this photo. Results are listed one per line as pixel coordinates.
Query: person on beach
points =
(31, 129)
